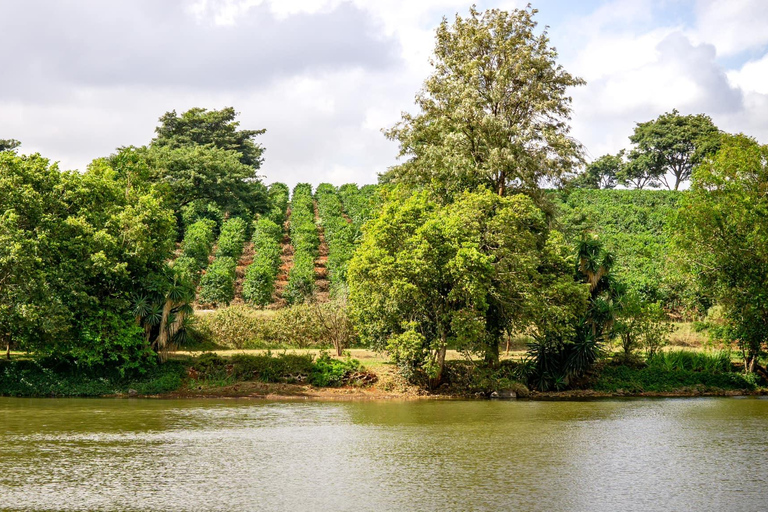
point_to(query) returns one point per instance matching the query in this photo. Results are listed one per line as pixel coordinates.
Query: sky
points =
(324, 77)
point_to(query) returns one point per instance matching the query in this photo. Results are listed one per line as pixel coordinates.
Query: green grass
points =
(676, 370)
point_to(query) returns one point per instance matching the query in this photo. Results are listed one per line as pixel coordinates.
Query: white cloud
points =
(733, 26)
(325, 76)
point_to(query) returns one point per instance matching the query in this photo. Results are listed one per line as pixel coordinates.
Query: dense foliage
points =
(721, 232)
(259, 283)
(231, 239)
(339, 234)
(634, 226)
(493, 113)
(74, 251)
(305, 241)
(427, 276)
(217, 285)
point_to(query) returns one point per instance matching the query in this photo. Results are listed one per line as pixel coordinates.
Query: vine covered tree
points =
(494, 112)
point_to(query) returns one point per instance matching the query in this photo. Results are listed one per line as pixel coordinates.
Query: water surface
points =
(111, 454)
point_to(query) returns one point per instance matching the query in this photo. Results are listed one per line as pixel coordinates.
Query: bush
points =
(233, 236)
(233, 327)
(297, 326)
(329, 372)
(56, 377)
(339, 234)
(657, 379)
(674, 360)
(289, 368)
(217, 286)
(198, 242)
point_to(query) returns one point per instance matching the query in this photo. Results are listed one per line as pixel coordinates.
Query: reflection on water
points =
(697, 454)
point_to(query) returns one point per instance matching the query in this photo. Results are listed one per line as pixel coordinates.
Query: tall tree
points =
(673, 144)
(721, 231)
(202, 127)
(494, 112)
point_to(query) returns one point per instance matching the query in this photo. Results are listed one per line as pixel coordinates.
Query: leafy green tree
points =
(428, 276)
(721, 232)
(493, 113)
(641, 170)
(602, 173)
(217, 128)
(195, 176)
(670, 146)
(76, 247)
(9, 144)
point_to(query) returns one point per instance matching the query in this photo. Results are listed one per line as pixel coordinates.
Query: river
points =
(231, 455)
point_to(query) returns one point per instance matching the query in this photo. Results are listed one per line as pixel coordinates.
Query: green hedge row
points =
(234, 233)
(259, 283)
(198, 242)
(339, 234)
(217, 285)
(360, 204)
(305, 241)
(278, 200)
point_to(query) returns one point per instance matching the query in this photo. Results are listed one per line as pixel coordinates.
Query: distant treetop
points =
(199, 126)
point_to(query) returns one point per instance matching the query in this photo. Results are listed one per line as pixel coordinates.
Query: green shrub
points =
(233, 236)
(243, 327)
(329, 372)
(259, 282)
(658, 379)
(55, 377)
(278, 200)
(339, 234)
(217, 286)
(233, 327)
(305, 241)
(198, 242)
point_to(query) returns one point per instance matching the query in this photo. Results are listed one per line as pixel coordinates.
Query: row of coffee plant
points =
(195, 249)
(339, 234)
(217, 285)
(259, 284)
(305, 241)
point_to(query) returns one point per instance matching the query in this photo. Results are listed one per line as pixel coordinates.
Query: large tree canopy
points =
(428, 275)
(205, 165)
(218, 128)
(721, 229)
(494, 113)
(74, 248)
(668, 148)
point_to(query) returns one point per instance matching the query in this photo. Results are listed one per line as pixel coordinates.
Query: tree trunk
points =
(440, 362)
(8, 349)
